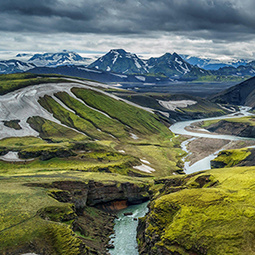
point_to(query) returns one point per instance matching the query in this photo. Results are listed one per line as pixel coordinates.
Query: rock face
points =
(232, 128)
(235, 157)
(93, 193)
(100, 193)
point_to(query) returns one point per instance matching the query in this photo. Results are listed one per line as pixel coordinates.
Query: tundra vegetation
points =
(52, 199)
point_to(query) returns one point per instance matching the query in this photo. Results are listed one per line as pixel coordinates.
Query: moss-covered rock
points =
(213, 213)
(12, 124)
(229, 158)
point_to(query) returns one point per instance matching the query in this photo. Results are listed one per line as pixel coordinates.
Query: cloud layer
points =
(215, 21)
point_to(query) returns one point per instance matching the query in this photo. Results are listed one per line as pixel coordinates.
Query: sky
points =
(222, 29)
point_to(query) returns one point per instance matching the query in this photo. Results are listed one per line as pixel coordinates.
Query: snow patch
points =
(141, 78)
(119, 75)
(144, 168)
(145, 161)
(179, 62)
(135, 137)
(116, 55)
(12, 156)
(172, 105)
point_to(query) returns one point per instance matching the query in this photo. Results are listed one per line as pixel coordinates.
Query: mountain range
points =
(120, 62)
(213, 64)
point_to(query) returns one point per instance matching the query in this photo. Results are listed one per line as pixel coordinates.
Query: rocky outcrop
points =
(102, 193)
(217, 164)
(235, 157)
(12, 124)
(232, 128)
(46, 154)
(94, 193)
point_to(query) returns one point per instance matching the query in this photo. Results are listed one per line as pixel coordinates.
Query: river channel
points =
(179, 128)
(124, 239)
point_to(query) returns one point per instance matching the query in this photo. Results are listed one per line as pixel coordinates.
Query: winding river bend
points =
(124, 238)
(204, 164)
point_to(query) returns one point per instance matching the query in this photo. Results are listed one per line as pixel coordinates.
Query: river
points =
(205, 163)
(124, 239)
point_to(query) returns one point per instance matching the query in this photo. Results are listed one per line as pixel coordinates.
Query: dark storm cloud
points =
(208, 19)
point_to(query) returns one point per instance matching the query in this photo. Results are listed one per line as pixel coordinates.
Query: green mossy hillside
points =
(204, 213)
(70, 119)
(113, 123)
(139, 120)
(99, 120)
(12, 82)
(51, 131)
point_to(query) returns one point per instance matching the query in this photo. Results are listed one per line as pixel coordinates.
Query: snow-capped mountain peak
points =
(14, 66)
(56, 59)
(120, 61)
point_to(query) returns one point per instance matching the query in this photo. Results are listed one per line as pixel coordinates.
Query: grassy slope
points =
(53, 131)
(218, 218)
(135, 118)
(99, 120)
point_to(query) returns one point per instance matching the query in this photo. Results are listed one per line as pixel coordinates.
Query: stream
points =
(124, 238)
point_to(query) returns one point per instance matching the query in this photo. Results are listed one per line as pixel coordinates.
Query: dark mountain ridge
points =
(241, 94)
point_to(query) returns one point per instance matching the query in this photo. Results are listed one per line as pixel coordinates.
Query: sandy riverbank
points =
(203, 147)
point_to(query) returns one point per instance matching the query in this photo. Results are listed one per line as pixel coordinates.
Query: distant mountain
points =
(170, 65)
(213, 64)
(241, 94)
(21, 55)
(120, 61)
(248, 70)
(14, 66)
(57, 59)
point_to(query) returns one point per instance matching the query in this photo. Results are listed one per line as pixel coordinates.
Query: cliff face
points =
(233, 128)
(93, 193)
(212, 213)
(235, 157)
